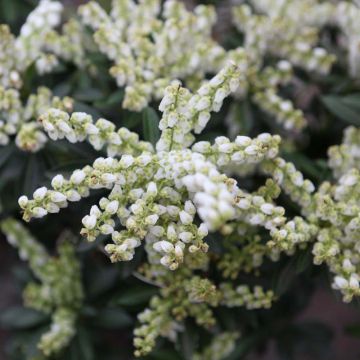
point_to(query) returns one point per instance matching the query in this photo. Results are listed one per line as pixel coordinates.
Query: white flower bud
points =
(73, 195)
(126, 161)
(23, 201)
(267, 208)
(341, 282)
(251, 150)
(108, 178)
(57, 181)
(57, 197)
(178, 251)
(185, 236)
(203, 230)
(77, 176)
(39, 212)
(242, 141)
(89, 221)
(347, 266)
(52, 208)
(354, 282)
(151, 219)
(166, 246)
(165, 260)
(106, 229)
(152, 189)
(185, 218)
(189, 207)
(203, 103)
(40, 193)
(112, 207)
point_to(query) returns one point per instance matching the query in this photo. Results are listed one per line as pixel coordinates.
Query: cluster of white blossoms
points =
(156, 193)
(291, 29)
(279, 29)
(59, 291)
(38, 44)
(19, 53)
(151, 45)
(168, 196)
(19, 119)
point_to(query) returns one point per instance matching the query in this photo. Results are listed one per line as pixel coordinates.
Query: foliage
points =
(216, 175)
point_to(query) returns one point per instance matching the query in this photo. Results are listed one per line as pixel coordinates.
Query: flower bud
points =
(89, 221)
(40, 193)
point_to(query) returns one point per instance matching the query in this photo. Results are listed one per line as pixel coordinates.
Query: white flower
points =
(73, 195)
(39, 212)
(185, 236)
(112, 207)
(267, 208)
(242, 141)
(77, 177)
(108, 178)
(23, 201)
(57, 197)
(126, 161)
(57, 181)
(106, 229)
(203, 230)
(40, 193)
(340, 282)
(152, 188)
(151, 219)
(354, 282)
(185, 218)
(89, 221)
(203, 103)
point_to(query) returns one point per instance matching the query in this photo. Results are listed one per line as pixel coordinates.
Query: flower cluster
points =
(19, 119)
(151, 46)
(59, 291)
(170, 197)
(38, 43)
(156, 195)
(182, 295)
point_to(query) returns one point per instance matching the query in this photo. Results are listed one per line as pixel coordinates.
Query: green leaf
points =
(342, 108)
(285, 279)
(5, 153)
(151, 125)
(88, 95)
(112, 318)
(303, 261)
(19, 317)
(135, 296)
(85, 344)
(116, 97)
(34, 171)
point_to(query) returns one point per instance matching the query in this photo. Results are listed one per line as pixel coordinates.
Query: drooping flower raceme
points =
(151, 46)
(19, 120)
(58, 291)
(169, 197)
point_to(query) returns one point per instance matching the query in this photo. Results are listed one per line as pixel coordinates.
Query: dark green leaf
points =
(151, 125)
(5, 153)
(135, 296)
(85, 344)
(89, 94)
(18, 317)
(112, 318)
(342, 110)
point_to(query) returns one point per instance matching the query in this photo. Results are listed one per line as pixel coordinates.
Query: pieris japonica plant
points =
(186, 186)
